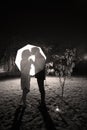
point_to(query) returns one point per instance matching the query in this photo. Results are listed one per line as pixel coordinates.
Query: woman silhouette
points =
(25, 75)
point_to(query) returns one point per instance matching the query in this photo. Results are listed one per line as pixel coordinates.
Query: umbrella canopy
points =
(30, 59)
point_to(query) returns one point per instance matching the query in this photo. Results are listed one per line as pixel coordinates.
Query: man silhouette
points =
(41, 74)
(40, 80)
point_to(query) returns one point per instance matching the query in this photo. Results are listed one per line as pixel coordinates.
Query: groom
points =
(41, 74)
(40, 80)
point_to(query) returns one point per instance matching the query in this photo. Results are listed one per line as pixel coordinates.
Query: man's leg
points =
(41, 89)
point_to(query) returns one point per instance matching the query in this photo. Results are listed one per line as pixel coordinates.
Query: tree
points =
(63, 65)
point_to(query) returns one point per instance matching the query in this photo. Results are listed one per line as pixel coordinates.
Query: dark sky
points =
(50, 21)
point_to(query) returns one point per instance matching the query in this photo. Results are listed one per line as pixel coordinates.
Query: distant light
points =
(85, 57)
(2, 70)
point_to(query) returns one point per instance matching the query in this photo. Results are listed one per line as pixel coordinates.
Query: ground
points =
(68, 113)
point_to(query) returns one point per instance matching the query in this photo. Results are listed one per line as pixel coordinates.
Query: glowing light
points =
(85, 57)
(34, 68)
(32, 58)
(57, 109)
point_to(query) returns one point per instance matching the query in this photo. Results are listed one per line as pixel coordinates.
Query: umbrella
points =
(30, 59)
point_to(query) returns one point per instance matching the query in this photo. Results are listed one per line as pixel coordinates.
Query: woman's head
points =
(26, 54)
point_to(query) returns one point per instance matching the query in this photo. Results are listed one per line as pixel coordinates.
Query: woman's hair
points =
(26, 54)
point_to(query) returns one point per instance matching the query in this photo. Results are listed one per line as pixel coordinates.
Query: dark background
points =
(62, 24)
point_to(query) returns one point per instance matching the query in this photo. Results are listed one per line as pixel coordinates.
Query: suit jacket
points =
(41, 75)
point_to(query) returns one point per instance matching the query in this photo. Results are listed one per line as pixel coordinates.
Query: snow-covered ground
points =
(69, 113)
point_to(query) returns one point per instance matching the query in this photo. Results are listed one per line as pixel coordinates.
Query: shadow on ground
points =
(47, 118)
(17, 121)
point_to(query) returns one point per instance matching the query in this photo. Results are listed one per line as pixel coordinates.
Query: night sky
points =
(57, 22)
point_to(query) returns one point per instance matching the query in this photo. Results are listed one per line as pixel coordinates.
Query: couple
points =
(25, 73)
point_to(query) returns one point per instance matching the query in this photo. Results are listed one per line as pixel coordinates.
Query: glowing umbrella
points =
(31, 59)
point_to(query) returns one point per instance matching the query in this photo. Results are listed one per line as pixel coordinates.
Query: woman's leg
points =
(24, 95)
